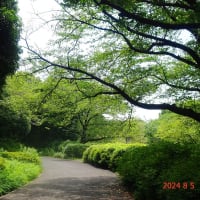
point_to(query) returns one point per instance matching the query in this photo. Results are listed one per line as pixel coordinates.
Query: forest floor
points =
(71, 180)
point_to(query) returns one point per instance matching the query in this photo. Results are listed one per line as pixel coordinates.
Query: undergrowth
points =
(18, 168)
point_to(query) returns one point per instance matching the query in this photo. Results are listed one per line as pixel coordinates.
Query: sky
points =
(38, 35)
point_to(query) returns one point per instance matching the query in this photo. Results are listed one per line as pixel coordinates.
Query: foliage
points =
(133, 131)
(8, 144)
(106, 155)
(18, 168)
(64, 149)
(12, 124)
(146, 169)
(2, 163)
(9, 37)
(58, 155)
(31, 157)
(18, 104)
(16, 174)
(65, 112)
(47, 151)
(173, 128)
(75, 150)
(135, 49)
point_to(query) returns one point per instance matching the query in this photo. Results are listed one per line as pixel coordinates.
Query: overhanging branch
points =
(147, 21)
(172, 107)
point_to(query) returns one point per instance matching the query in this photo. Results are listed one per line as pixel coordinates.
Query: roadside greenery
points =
(161, 170)
(18, 168)
(65, 149)
(107, 155)
(59, 119)
(82, 107)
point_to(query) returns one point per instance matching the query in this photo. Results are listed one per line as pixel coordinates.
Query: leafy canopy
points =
(135, 49)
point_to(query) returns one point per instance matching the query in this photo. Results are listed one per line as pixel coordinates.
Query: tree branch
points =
(163, 106)
(51, 91)
(159, 42)
(166, 4)
(191, 89)
(147, 21)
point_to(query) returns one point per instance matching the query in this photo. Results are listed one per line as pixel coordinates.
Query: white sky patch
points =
(146, 114)
(35, 14)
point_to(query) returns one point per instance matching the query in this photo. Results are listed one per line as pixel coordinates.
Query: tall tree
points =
(9, 37)
(136, 49)
(18, 104)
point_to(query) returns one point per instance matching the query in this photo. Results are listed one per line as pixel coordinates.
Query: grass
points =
(17, 169)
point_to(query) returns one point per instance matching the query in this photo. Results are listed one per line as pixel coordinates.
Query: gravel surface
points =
(70, 180)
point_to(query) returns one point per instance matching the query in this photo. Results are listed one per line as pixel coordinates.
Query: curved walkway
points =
(71, 180)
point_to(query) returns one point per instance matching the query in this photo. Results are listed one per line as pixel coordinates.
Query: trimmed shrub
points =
(106, 155)
(74, 150)
(147, 170)
(99, 155)
(116, 156)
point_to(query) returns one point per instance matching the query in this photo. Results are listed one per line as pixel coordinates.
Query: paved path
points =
(71, 180)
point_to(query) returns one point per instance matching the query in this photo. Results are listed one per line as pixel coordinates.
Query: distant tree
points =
(174, 128)
(66, 110)
(9, 37)
(134, 130)
(92, 124)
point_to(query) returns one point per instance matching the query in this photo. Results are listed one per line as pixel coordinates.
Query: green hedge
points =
(106, 155)
(74, 150)
(147, 170)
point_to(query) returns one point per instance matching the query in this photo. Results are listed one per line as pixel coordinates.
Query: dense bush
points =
(74, 150)
(16, 174)
(2, 163)
(64, 149)
(47, 151)
(147, 170)
(10, 144)
(59, 155)
(18, 168)
(99, 155)
(21, 156)
(106, 155)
